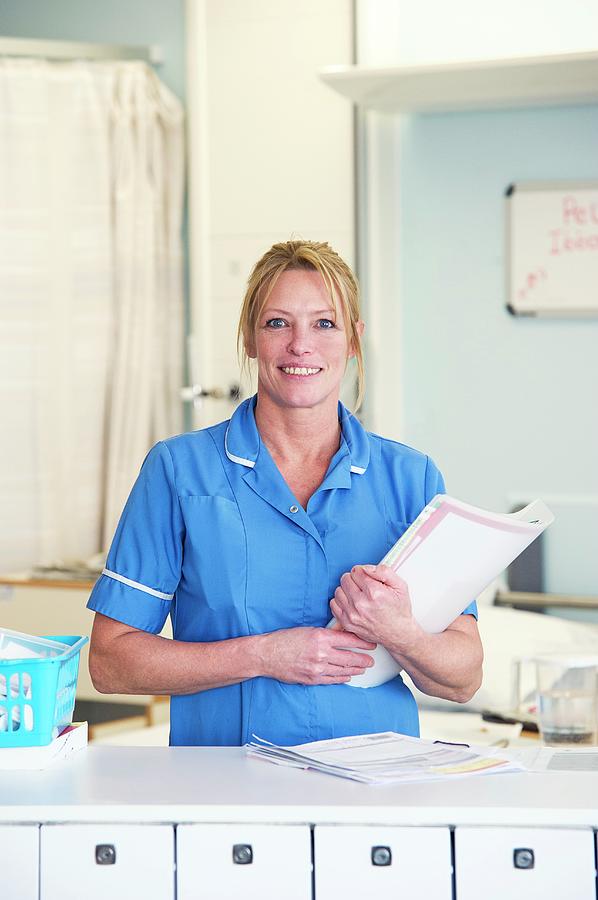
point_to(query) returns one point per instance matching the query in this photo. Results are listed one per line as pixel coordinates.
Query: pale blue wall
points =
(105, 21)
(504, 404)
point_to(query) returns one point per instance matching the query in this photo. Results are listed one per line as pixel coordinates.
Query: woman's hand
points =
(314, 655)
(373, 602)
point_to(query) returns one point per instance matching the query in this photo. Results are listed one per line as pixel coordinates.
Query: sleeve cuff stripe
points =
(135, 584)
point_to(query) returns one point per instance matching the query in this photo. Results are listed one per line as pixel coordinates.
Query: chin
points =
(299, 399)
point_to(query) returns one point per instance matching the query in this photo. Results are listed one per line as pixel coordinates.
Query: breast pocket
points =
(215, 564)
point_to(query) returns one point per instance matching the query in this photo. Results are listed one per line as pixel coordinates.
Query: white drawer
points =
(525, 863)
(107, 862)
(19, 862)
(383, 862)
(253, 862)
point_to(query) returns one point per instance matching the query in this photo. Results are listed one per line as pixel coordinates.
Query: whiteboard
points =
(552, 249)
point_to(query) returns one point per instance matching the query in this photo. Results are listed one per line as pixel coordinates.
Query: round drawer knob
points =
(242, 854)
(381, 856)
(523, 858)
(105, 854)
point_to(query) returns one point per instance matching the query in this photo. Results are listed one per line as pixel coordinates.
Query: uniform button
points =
(293, 508)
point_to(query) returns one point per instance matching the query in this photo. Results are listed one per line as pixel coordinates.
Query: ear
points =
(360, 328)
(250, 349)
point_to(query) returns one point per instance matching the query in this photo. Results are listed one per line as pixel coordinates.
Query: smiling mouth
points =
(299, 370)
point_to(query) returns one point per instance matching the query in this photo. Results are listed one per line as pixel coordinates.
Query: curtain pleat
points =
(91, 300)
(148, 177)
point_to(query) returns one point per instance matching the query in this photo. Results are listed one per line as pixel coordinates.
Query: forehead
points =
(301, 290)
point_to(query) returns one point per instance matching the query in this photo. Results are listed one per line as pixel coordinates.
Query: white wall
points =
(412, 32)
(274, 156)
(504, 405)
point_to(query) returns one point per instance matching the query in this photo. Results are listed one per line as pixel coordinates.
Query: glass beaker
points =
(567, 699)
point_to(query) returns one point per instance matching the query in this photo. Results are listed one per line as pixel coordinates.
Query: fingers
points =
(383, 574)
(338, 612)
(350, 586)
(345, 640)
(338, 674)
(309, 655)
(348, 658)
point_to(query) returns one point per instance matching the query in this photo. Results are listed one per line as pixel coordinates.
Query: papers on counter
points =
(71, 739)
(386, 758)
(553, 759)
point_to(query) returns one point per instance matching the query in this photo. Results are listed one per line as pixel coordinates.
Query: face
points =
(300, 343)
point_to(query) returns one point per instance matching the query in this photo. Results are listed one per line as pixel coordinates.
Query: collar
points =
(242, 438)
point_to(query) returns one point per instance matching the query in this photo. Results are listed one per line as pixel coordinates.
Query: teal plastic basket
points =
(37, 696)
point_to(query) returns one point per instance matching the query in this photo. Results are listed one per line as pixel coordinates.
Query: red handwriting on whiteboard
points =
(575, 213)
(569, 238)
(565, 242)
(531, 280)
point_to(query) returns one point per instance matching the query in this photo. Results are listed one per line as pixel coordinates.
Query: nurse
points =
(252, 533)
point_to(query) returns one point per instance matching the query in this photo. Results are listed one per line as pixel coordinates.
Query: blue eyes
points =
(323, 324)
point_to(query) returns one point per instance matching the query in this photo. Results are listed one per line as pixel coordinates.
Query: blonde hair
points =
(312, 256)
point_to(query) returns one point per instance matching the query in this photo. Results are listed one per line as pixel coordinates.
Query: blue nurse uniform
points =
(212, 534)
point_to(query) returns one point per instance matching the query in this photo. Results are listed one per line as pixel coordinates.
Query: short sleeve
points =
(434, 481)
(143, 567)
(435, 485)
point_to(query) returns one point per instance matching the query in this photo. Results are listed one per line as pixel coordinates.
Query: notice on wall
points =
(552, 249)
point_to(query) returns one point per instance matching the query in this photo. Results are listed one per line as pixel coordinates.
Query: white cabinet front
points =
(355, 862)
(525, 863)
(253, 862)
(19, 862)
(107, 862)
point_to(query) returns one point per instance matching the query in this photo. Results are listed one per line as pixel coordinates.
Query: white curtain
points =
(91, 186)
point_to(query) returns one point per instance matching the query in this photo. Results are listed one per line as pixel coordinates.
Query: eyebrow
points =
(317, 312)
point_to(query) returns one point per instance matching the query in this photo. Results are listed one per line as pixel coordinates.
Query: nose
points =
(300, 340)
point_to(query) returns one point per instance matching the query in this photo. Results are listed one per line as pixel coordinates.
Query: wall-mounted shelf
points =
(533, 600)
(489, 84)
(69, 50)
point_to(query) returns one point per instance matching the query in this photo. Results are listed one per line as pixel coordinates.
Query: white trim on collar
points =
(358, 470)
(240, 460)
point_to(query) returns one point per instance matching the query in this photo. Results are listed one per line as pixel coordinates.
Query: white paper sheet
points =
(447, 557)
(386, 757)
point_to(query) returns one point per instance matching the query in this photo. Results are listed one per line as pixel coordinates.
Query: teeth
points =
(296, 370)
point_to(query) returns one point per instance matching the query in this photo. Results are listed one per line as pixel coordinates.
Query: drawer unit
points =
(525, 863)
(19, 862)
(385, 862)
(255, 862)
(107, 862)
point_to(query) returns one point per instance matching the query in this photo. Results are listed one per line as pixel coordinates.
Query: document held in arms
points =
(447, 556)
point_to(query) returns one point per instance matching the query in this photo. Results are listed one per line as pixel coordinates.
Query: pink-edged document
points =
(447, 556)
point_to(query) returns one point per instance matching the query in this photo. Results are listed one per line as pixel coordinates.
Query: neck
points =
(291, 434)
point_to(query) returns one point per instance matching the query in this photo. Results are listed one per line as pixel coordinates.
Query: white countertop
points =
(205, 784)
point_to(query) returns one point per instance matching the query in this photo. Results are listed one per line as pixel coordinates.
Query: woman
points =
(243, 532)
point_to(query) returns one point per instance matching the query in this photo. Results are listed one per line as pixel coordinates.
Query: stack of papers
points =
(71, 739)
(386, 758)
(447, 556)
